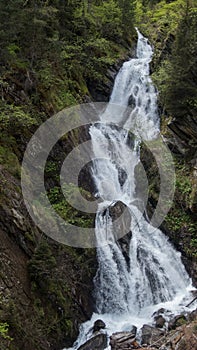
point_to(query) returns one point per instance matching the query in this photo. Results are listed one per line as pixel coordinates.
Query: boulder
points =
(123, 340)
(150, 335)
(176, 321)
(159, 321)
(98, 324)
(159, 317)
(98, 342)
(121, 221)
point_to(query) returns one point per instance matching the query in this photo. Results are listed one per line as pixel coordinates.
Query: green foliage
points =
(50, 51)
(179, 220)
(160, 16)
(53, 40)
(108, 20)
(183, 184)
(183, 228)
(53, 289)
(181, 89)
(175, 75)
(13, 119)
(42, 262)
(10, 161)
(51, 168)
(61, 205)
(4, 327)
(128, 15)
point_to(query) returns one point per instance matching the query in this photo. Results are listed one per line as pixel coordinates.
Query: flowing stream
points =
(128, 293)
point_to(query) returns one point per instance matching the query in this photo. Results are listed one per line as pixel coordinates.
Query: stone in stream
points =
(160, 311)
(159, 317)
(121, 227)
(98, 342)
(98, 324)
(159, 321)
(123, 340)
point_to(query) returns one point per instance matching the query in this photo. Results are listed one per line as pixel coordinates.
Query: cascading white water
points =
(155, 277)
(156, 273)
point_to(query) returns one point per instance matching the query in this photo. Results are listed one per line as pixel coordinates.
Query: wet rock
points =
(121, 226)
(133, 330)
(116, 210)
(159, 317)
(131, 101)
(123, 340)
(160, 311)
(98, 324)
(176, 322)
(150, 335)
(159, 321)
(98, 342)
(121, 219)
(192, 315)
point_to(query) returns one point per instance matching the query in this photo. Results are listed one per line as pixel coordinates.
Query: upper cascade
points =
(144, 50)
(133, 88)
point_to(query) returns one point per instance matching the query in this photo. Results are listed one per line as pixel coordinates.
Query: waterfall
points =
(127, 294)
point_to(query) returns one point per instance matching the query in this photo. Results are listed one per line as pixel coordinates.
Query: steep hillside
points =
(172, 28)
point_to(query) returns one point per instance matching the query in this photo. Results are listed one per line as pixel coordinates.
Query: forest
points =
(55, 54)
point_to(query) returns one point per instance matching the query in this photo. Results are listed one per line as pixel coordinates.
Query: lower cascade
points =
(129, 290)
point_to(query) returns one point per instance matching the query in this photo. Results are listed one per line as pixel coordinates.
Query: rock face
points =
(98, 342)
(185, 131)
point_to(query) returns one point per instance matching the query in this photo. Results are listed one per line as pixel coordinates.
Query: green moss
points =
(61, 205)
(180, 220)
(10, 161)
(14, 118)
